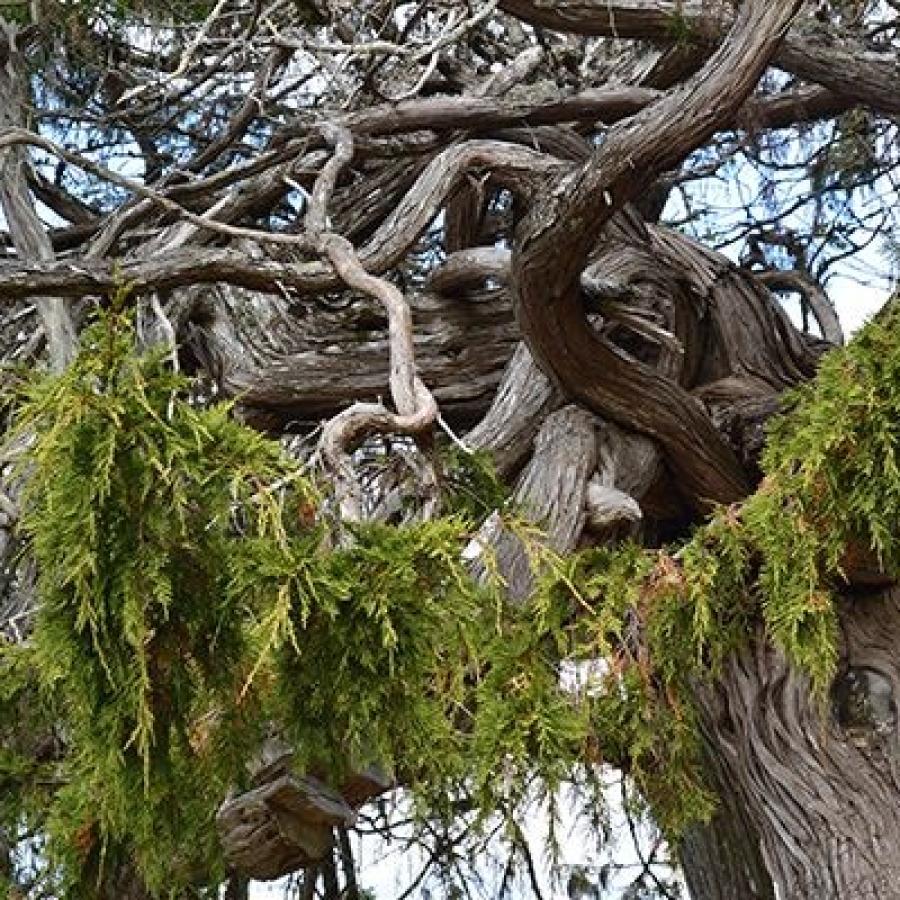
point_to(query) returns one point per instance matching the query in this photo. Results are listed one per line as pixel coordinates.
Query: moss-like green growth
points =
(188, 597)
(141, 512)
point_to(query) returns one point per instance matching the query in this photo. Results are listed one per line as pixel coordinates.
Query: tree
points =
(307, 207)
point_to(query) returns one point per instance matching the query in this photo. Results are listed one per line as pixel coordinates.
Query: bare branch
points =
(814, 296)
(551, 252)
(817, 53)
(416, 406)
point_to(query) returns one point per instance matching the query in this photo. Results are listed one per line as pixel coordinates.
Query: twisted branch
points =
(416, 407)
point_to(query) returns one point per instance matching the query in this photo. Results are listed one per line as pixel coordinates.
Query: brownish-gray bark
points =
(818, 781)
(552, 247)
(619, 373)
(29, 236)
(816, 52)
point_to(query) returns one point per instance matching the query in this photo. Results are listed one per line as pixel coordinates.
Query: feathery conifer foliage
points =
(140, 508)
(189, 598)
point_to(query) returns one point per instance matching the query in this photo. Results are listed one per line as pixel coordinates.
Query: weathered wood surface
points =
(283, 825)
(819, 780)
(286, 821)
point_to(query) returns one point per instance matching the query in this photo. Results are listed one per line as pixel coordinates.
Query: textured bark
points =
(583, 472)
(622, 322)
(722, 859)
(628, 466)
(552, 246)
(551, 492)
(815, 52)
(28, 234)
(749, 335)
(286, 820)
(283, 825)
(521, 402)
(605, 105)
(819, 785)
(287, 367)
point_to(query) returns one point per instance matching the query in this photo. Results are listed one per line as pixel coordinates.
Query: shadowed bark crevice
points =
(820, 792)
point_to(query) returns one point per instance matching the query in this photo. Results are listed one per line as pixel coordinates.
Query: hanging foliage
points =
(190, 600)
(143, 512)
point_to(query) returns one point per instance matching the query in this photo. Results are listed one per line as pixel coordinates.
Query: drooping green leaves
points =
(189, 599)
(138, 506)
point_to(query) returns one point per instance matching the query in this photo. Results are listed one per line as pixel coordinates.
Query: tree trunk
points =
(818, 780)
(722, 859)
(31, 241)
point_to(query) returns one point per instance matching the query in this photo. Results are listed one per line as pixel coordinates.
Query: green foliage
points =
(28, 742)
(189, 598)
(140, 509)
(471, 485)
(832, 491)
(525, 722)
(635, 613)
(396, 623)
(663, 621)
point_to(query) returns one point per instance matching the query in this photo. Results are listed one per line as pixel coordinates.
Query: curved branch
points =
(285, 367)
(523, 399)
(817, 52)
(515, 167)
(416, 406)
(606, 105)
(553, 244)
(812, 293)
